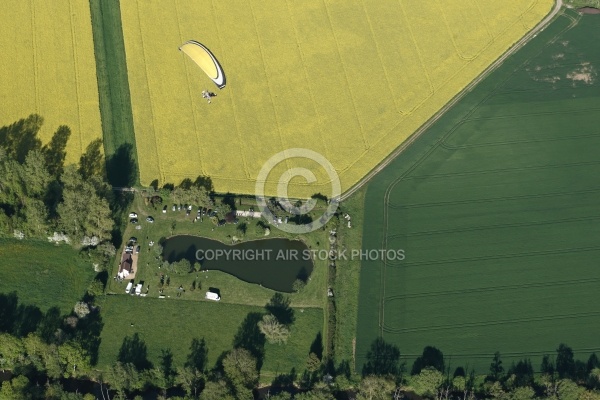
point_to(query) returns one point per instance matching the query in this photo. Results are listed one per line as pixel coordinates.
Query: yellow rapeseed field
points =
(47, 66)
(350, 79)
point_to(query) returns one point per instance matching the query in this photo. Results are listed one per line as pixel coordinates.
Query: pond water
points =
(274, 263)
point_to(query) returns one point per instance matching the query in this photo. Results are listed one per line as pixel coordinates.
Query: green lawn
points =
(496, 207)
(232, 289)
(172, 324)
(43, 274)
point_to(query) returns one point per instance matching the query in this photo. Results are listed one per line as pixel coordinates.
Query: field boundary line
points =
(400, 149)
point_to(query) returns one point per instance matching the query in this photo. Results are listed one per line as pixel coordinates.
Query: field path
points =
(518, 45)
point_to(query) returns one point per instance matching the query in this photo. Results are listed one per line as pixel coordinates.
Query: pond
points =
(273, 263)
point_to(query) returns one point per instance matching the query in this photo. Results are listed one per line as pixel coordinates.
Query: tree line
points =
(559, 376)
(39, 194)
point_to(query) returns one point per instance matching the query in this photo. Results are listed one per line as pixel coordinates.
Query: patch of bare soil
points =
(586, 73)
(589, 10)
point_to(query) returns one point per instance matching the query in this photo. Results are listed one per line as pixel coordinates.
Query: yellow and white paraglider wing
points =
(205, 60)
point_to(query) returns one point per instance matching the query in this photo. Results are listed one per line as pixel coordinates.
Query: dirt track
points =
(524, 40)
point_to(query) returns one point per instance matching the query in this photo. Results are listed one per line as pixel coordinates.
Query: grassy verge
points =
(347, 278)
(43, 274)
(113, 85)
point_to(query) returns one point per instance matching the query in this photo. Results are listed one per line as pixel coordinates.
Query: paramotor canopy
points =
(205, 60)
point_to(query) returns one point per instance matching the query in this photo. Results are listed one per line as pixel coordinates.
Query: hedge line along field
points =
(348, 79)
(48, 68)
(496, 207)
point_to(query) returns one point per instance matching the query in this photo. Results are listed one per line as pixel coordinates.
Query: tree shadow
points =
(91, 163)
(186, 184)
(134, 351)
(229, 199)
(317, 346)
(166, 365)
(205, 182)
(20, 137)
(251, 338)
(88, 334)
(431, 357)
(198, 355)
(26, 320)
(55, 151)
(49, 325)
(382, 359)
(8, 311)
(121, 167)
(285, 381)
(279, 306)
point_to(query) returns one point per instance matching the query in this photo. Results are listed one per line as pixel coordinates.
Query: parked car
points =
(137, 249)
(190, 207)
(133, 239)
(179, 207)
(212, 296)
(164, 209)
(174, 207)
(150, 219)
(133, 220)
(132, 215)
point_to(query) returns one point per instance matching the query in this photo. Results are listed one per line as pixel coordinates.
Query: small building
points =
(126, 266)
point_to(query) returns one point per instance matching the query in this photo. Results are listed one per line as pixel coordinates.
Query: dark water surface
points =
(274, 263)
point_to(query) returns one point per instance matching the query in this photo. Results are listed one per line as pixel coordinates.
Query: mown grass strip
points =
(113, 84)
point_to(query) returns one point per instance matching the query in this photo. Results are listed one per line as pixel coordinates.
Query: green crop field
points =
(496, 207)
(172, 324)
(43, 274)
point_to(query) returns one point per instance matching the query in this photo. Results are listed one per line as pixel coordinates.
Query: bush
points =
(275, 332)
(81, 309)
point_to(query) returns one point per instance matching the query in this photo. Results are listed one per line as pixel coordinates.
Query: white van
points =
(128, 288)
(138, 289)
(212, 296)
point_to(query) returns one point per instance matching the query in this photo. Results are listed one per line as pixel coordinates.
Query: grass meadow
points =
(43, 274)
(48, 68)
(171, 324)
(496, 207)
(348, 79)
